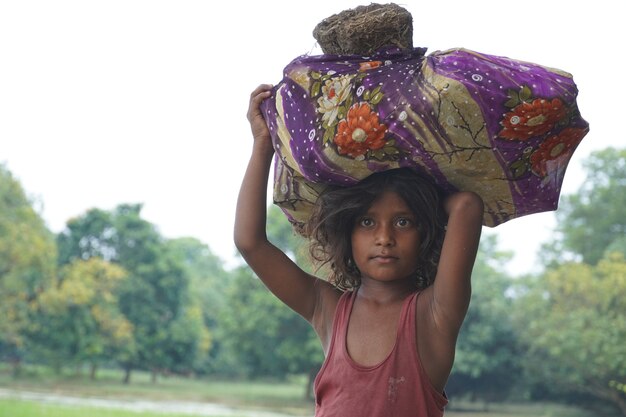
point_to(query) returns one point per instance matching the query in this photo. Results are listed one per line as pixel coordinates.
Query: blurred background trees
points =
(27, 267)
(110, 291)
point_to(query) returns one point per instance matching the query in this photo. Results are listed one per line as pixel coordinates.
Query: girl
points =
(389, 315)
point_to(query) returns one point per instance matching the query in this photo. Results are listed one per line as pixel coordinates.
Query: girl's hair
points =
(337, 210)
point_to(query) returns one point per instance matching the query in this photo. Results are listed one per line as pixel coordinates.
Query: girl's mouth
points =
(384, 259)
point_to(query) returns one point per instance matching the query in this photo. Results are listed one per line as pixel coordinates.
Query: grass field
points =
(14, 408)
(282, 397)
(286, 398)
(108, 384)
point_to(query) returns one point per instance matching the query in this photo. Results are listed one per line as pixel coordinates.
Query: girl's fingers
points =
(261, 89)
(256, 99)
(259, 94)
(257, 122)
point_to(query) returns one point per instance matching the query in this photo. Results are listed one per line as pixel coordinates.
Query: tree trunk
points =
(92, 371)
(308, 394)
(56, 366)
(127, 371)
(614, 396)
(16, 367)
(620, 401)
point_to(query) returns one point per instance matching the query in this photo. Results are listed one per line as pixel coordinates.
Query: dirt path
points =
(165, 407)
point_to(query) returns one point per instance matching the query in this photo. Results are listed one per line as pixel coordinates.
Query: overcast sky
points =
(109, 102)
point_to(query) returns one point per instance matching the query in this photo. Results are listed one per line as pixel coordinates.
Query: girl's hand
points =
(260, 132)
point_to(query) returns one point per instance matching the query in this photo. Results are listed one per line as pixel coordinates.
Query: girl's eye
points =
(404, 222)
(366, 222)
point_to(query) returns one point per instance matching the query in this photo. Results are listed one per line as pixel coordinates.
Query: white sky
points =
(108, 102)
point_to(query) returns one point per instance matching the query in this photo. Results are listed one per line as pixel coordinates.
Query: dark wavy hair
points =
(337, 210)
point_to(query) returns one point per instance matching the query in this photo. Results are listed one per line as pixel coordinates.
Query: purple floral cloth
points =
(503, 128)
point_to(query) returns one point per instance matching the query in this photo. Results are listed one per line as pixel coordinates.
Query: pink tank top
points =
(396, 387)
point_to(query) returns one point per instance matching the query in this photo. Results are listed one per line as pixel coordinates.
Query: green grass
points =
(514, 410)
(284, 397)
(17, 408)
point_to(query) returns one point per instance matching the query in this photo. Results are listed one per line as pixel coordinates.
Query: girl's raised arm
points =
(282, 276)
(449, 296)
(452, 286)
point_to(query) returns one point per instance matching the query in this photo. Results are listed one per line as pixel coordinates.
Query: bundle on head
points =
(365, 29)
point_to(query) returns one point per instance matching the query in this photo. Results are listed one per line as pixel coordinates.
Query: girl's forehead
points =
(389, 200)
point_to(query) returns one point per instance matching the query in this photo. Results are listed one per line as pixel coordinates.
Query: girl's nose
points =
(384, 236)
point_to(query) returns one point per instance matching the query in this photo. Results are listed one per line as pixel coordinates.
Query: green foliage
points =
(208, 279)
(79, 318)
(594, 218)
(88, 236)
(573, 320)
(260, 336)
(169, 331)
(207, 285)
(27, 264)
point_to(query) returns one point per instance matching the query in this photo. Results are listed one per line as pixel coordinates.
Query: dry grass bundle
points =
(365, 29)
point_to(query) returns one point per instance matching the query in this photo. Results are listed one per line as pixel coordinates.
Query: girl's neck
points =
(385, 292)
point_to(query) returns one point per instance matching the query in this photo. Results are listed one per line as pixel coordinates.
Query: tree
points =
(27, 265)
(208, 282)
(591, 220)
(88, 236)
(80, 320)
(260, 336)
(574, 324)
(487, 348)
(154, 298)
(208, 279)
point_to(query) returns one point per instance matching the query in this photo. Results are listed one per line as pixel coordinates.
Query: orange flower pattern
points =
(530, 119)
(555, 151)
(360, 131)
(365, 66)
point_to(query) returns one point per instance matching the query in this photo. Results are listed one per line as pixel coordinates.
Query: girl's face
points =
(386, 240)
